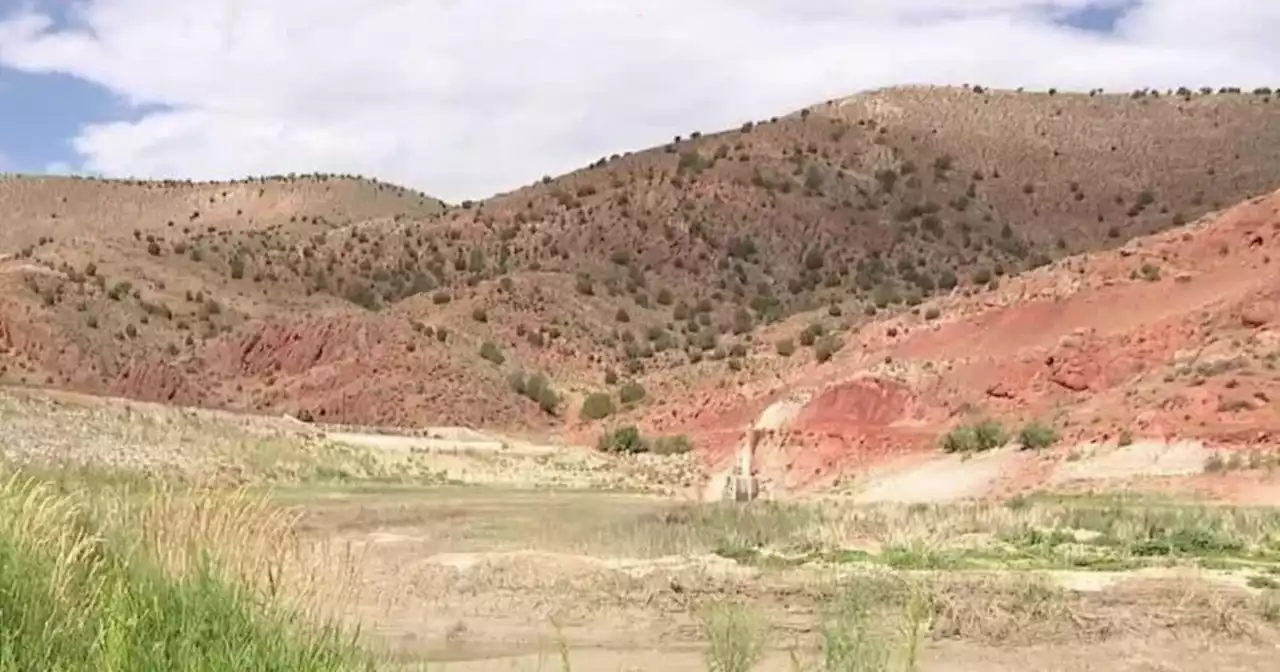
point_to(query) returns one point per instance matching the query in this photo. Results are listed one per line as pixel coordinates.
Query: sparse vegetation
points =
(491, 353)
(1036, 435)
(597, 406)
(600, 256)
(631, 392)
(625, 439)
(537, 388)
(980, 436)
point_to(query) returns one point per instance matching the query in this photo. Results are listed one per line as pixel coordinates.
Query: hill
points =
(1160, 347)
(346, 303)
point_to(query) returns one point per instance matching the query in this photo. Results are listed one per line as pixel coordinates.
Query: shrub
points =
(932, 314)
(625, 440)
(810, 335)
(827, 347)
(538, 388)
(786, 347)
(491, 353)
(516, 382)
(981, 436)
(1035, 436)
(989, 434)
(631, 392)
(597, 406)
(479, 315)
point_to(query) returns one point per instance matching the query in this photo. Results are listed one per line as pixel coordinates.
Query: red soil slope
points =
(1173, 336)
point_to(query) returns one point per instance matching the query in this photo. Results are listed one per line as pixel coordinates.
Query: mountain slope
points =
(642, 264)
(1174, 337)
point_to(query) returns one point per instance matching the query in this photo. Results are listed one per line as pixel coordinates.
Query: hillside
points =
(356, 302)
(1171, 338)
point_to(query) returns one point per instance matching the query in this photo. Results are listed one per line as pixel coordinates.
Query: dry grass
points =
(1088, 534)
(879, 623)
(66, 207)
(99, 441)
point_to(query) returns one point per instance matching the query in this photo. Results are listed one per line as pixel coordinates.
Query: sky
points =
(463, 99)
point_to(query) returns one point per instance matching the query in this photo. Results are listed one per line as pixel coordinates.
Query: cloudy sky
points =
(464, 98)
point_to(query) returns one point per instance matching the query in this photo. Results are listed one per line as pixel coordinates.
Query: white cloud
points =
(462, 99)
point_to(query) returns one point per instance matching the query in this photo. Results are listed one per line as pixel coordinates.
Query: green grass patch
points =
(106, 584)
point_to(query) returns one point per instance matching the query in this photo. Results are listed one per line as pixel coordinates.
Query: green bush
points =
(979, 437)
(786, 347)
(516, 381)
(1035, 436)
(623, 440)
(631, 392)
(490, 352)
(538, 388)
(811, 334)
(597, 406)
(827, 347)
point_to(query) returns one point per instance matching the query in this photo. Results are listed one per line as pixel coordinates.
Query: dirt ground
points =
(490, 579)
(485, 579)
(461, 550)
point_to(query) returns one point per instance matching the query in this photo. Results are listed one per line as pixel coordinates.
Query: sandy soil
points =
(487, 581)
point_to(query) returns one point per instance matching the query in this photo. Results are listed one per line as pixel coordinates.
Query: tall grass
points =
(160, 581)
(868, 625)
(735, 637)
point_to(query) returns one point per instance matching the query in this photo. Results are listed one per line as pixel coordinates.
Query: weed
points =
(735, 637)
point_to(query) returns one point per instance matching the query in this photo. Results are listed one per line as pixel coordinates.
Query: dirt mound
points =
(862, 403)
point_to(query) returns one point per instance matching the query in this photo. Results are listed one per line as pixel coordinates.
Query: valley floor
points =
(462, 551)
